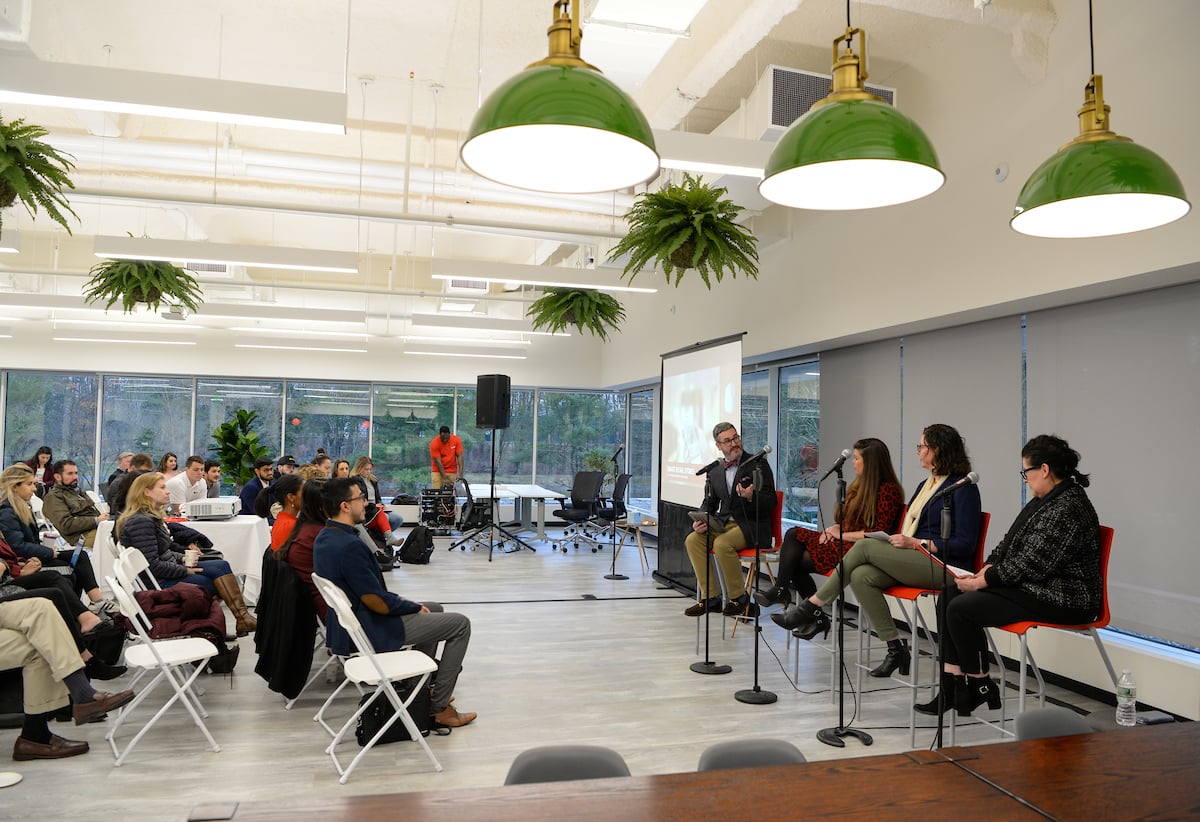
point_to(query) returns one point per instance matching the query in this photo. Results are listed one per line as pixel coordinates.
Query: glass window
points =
(640, 453)
(798, 460)
(514, 445)
(58, 410)
(150, 414)
(755, 399)
(405, 419)
(577, 432)
(329, 415)
(218, 400)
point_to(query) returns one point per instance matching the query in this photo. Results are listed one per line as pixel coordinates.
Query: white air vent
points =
(212, 271)
(466, 286)
(793, 92)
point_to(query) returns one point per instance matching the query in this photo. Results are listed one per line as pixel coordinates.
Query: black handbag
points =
(381, 710)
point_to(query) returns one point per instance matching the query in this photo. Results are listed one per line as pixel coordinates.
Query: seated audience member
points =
(142, 526)
(141, 461)
(341, 468)
(389, 620)
(260, 481)
(285, 492)
(873, 566)
(297, 547)
(21, 535)
(168, 466)
(119, 494)
(311, 471)
(212, 478)
(123, 461)
(42, 466)
(189, 485)
(323, 462)
(873, 503)
(365, 468)
(33, 639)
(1045, 569)
(52, 587)
(69, 510)
(286, 465)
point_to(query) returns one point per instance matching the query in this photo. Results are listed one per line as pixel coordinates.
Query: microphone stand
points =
(947, 530)
(835, 736)
(708, 666)
(612, 574)
(756, 695)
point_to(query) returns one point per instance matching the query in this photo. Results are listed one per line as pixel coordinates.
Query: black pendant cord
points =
(1091, 39)
(756, 695)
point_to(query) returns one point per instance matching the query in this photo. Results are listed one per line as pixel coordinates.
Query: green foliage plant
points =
(687, 226)
(237, 447)
(33, 172)
(152, 282)
(590, 311)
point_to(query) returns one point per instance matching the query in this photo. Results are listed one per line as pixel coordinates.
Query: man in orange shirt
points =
(446, 453)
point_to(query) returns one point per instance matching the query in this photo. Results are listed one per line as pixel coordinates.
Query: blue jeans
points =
(210, 569)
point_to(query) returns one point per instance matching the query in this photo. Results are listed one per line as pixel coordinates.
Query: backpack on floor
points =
(421, 711)
(418, 548)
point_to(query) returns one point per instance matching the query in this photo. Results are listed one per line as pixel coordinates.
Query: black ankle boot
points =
(779, 595)
(949, 689)
(806, 620)
(898, 656)
(973, 692)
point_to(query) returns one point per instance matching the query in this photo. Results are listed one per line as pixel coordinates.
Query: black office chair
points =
(580, 512)
(611, 513)
(558, 763)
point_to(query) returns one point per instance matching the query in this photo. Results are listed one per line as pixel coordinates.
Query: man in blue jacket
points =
(263, 469)
(389, 620)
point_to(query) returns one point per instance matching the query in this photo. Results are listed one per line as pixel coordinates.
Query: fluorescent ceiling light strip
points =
(165, 325)
(482, 324)
(431, 338)
(10, 241)
(475, 356)
(195, 251)
(302, 348)
(301, 332)
(711, 154)
(96, 88)
(129, 342)
(548, 283)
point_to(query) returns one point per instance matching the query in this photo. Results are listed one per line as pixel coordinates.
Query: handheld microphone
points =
(969, 479)
(837, 464)
(708, 467)
(613, 458)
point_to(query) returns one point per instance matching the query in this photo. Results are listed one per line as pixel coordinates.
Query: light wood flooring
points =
(559, 654)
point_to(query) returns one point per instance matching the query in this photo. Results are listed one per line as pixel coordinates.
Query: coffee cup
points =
(190, 557)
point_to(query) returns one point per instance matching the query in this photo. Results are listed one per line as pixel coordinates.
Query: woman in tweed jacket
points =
(1046, 569)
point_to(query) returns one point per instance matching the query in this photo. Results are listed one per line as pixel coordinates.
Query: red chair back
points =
(1101, 621)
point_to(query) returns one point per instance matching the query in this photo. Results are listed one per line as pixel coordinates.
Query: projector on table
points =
(215, 508)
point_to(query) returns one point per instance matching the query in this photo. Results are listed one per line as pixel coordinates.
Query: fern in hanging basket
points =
(687, 226)
(150, 282)
(33, 172)
(590, 311)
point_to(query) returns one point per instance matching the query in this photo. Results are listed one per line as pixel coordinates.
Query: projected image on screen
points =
(701, 387)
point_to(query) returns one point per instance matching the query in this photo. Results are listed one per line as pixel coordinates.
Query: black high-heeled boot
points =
(779, 595)
(898, 656)
(974, 691)
(949, 688)
(806, 620)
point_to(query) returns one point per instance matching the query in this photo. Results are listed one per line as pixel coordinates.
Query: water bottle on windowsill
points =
(1126, 699)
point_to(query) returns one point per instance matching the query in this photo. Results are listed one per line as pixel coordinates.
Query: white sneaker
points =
(104, 607)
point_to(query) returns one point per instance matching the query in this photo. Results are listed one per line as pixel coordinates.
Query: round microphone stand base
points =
(707, 667)
(615, 576)
(834, 736)
(755, 696)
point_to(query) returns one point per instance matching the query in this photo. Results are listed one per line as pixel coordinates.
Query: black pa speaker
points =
(493, 400)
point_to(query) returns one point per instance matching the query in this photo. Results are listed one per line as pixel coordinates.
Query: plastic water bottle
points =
(1126, 699)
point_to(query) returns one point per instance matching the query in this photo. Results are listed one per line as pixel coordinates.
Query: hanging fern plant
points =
(150, 282)
(594, 312)
(687, 226)
(33, 172)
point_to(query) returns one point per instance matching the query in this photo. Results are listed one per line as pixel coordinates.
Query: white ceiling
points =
(392, 188)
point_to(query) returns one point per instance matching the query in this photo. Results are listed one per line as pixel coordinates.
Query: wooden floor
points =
(559, 654)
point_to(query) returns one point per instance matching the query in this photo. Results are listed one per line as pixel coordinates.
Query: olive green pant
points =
(874, 565)
(725, 546)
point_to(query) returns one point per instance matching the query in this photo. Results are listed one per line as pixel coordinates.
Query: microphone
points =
(837, 464)
(708, 467)
(765, 450)
(969, 479)
(613, 458)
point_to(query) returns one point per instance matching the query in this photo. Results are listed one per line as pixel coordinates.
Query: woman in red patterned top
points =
(874, 501)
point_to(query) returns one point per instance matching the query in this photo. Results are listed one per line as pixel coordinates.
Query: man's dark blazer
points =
(755, 515)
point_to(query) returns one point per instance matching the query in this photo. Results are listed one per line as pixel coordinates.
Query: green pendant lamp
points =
(560, 125)
(851, 150)
(1099, 184)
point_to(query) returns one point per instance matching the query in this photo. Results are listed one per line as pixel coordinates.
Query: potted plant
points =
(588, 310)
(34, 172)
(236, 445)
(152, 282)
(685, 226)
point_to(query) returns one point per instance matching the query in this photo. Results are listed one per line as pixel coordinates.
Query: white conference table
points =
(525, 496)
(241, 539)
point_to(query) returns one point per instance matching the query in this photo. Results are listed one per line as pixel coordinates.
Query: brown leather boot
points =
(231, 593)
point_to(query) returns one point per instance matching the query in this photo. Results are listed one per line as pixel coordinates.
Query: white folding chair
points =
(172, 658)
(379, 670)
(132, 570)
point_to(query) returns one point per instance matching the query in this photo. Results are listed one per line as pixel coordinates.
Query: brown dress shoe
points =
(451, 718)
(56, 748)
(102, 704)
(713, 605)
